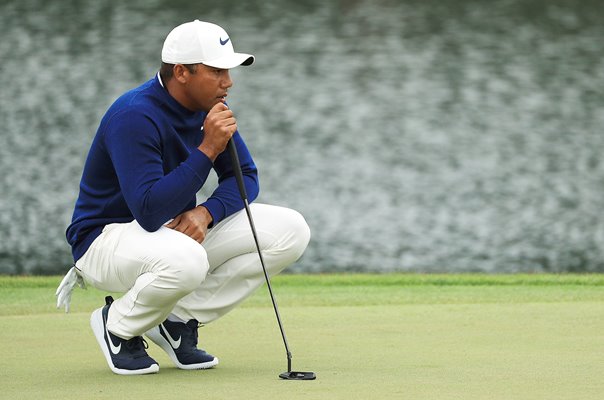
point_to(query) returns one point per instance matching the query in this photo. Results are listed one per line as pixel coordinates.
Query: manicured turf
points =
(366, 336)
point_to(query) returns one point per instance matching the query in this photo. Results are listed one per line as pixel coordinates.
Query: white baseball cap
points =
(205, 43)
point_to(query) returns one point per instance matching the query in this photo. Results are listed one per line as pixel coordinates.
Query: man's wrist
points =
(207, 213)
(210, 152)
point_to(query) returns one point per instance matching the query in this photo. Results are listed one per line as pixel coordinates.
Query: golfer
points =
(137, 228)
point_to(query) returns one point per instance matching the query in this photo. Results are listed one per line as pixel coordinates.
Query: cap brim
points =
(231, 61)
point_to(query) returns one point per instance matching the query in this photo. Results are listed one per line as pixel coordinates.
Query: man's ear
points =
(180, 73)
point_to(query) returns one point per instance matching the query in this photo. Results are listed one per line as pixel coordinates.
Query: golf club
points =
(290, 375)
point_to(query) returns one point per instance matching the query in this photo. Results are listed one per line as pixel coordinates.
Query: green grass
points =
(400, 336)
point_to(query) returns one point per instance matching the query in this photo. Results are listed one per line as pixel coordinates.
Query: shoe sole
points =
(157, 338)
(96, 322)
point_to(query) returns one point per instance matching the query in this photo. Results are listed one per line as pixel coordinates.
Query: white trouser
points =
(165, 271)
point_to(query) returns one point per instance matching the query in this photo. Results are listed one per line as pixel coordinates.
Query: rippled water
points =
(413, 135)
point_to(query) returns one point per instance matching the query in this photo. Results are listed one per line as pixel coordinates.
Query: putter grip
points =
(237, 169)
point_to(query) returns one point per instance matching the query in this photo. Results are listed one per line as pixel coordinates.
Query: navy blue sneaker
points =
(125, 357)
(179, 340)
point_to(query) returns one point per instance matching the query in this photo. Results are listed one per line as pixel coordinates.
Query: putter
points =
(290, 375)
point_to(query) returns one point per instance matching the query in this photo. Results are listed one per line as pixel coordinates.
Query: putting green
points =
(365, 336)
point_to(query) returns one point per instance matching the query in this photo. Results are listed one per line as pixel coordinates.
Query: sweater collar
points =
(158, 76)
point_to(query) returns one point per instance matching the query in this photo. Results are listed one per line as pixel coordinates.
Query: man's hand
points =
(193, 223)
(218, 127)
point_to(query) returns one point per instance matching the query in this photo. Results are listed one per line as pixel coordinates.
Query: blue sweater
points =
(144, 165)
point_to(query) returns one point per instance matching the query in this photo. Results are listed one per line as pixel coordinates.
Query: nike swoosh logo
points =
(174, 343)
(114, 349)
(223, 42)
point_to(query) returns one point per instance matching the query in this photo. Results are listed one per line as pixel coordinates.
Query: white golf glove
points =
(66, 286)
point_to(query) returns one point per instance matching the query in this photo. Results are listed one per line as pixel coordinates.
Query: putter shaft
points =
(243, 193)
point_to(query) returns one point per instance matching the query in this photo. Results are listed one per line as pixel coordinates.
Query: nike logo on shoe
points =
(114, 349)
(223, 42)
(174, 343)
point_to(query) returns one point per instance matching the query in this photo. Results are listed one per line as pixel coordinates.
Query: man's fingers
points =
(222, 116)
(192, 231)
(174, 222)
(219, 112)
(218, 107)
(182, 227)
(195, 234)
(229, 125)
(188, 227)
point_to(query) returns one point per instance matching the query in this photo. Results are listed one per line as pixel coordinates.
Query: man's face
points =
(206, 86)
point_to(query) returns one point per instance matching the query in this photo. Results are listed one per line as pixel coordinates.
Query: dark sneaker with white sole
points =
(125, 357)
(179, 340)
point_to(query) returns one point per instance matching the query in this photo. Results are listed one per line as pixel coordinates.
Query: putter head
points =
(298, 376)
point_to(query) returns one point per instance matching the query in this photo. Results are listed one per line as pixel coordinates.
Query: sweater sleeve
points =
(226, 199)
(133, 142)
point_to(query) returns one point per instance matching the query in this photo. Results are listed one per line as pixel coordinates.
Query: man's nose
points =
(227, 82)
